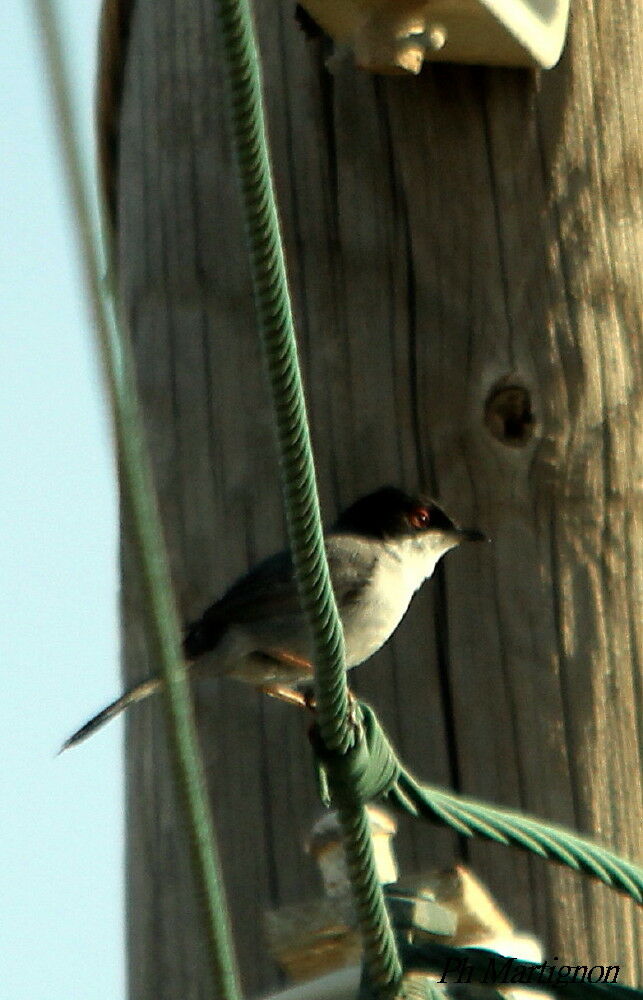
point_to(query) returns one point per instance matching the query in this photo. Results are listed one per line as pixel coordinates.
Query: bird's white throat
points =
(401, 568)
(419, 555)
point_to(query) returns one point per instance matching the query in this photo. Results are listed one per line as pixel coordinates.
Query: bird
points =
(380, 551)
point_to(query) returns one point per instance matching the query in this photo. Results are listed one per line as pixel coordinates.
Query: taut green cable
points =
(377, 773)
(298, 473)
(138, 489)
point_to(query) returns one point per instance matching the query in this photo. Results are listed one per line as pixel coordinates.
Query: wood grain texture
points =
(442, 233)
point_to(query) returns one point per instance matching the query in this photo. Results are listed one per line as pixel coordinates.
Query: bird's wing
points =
(269, 592)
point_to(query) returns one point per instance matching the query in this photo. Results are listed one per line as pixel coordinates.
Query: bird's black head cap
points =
(391, 513)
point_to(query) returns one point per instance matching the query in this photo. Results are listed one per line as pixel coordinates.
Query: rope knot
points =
(368, 769)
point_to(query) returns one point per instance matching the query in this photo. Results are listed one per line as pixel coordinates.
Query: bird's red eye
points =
(420, 518)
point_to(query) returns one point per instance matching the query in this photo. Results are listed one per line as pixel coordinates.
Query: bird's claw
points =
(353, 712)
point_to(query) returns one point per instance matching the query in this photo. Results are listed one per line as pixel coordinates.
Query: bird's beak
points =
(471, 535)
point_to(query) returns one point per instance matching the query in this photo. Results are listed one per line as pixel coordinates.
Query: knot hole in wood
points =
(508, 414)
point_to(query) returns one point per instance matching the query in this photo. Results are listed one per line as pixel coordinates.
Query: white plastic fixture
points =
(505, 32)
(393, 36)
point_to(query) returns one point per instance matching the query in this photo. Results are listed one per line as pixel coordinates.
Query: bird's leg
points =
(284, 693)
(299, 667)
(298, 663)
(305, 698)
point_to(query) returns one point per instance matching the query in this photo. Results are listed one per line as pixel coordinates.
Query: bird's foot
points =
(353, 702)
(306, 699)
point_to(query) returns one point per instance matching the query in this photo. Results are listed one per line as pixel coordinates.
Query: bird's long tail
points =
(134, 694)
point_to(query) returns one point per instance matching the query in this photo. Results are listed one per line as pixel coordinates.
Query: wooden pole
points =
(465, 259)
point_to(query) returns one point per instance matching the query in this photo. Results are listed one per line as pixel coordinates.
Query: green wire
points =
(298, 473)
(138, 490)
(376, 772)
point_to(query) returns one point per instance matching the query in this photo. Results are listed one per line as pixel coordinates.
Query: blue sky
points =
(61, 818)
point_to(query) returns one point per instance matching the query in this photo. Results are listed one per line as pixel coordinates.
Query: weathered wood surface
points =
(443, 234)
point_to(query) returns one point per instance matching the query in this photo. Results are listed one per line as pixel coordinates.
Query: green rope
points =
(278, 337)
(377, 773)
(138, 489)
(554, 843)
(298, 473)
